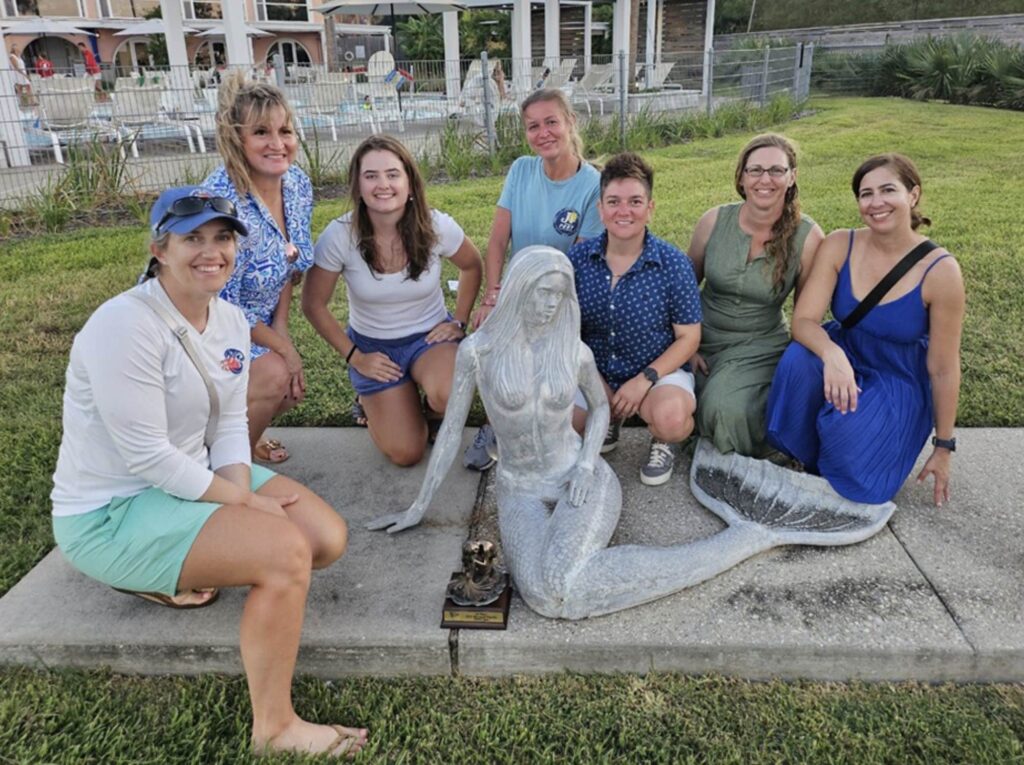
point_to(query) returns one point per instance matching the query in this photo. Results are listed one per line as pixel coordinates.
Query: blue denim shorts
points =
(402, 350)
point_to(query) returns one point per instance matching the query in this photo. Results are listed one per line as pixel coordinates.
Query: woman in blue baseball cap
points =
(154, 492)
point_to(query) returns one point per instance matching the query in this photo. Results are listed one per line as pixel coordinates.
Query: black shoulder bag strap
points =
(882, 288)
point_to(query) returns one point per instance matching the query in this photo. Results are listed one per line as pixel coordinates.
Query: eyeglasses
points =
(775, 171)
(186, 206)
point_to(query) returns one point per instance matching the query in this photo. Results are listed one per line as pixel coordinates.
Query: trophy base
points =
(493, 616)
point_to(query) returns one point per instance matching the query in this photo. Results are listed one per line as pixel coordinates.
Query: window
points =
(282, 10)
(131, 56)
(211, 54)
(292, 52)
(42, 8)
(202, 9)
(127, 9)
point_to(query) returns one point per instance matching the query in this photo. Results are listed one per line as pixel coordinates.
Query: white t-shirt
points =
(386, 306)
(135, 407)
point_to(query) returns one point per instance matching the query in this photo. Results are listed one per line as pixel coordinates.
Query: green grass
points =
(50, 284)
(97, 717)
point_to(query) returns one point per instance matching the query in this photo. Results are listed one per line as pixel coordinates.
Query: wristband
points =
(460, 324)
(349, 356)
(944, 443)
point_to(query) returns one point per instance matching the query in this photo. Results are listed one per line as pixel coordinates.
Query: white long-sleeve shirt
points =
(136, 408)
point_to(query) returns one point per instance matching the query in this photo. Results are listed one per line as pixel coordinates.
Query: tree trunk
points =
(634, 39)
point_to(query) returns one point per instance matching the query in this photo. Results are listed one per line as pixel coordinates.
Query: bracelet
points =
(349, 356)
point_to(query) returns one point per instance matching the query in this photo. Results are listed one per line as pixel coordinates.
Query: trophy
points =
(477, 597)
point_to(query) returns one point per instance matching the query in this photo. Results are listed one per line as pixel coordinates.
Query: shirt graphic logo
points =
(233, 359)
(567, 222)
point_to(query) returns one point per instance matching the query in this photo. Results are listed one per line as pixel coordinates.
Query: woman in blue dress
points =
(857, 405)
(256, 137)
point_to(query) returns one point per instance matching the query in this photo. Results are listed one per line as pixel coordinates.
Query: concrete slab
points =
(862, 612)
(971, 550)
(938, 595)
(376, 611)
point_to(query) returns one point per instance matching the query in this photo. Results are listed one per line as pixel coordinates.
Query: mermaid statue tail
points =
(794, 508)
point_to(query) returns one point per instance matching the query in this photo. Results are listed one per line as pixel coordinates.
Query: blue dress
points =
(865, 455)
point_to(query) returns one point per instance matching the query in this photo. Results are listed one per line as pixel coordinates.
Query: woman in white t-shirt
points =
(400, 336)
(154, 492)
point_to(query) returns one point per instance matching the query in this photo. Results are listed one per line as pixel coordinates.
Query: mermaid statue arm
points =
(582, 477)
(449, 439)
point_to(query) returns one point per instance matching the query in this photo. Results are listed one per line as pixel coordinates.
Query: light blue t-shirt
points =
(555, 213)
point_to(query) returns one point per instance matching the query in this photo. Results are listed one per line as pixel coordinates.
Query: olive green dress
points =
(743, 335)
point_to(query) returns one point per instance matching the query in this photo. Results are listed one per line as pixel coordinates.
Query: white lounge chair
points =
(138, 113)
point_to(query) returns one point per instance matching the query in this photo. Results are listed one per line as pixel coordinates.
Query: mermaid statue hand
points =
(581, 481)
(399, 521)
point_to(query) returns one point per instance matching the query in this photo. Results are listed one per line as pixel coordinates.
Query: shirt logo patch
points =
(233, 359)
(567, 222)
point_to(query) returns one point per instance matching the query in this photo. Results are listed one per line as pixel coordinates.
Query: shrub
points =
(965, 69)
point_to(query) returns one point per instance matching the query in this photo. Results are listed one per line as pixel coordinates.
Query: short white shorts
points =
(678, 379)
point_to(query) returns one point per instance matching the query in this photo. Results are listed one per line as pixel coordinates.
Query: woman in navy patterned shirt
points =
(256, 137)
(640, 311)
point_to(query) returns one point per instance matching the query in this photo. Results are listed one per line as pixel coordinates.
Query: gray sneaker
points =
(660, 461)
(483, 452)
(611, 438)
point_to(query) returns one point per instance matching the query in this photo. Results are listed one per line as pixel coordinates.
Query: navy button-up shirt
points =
(630, 326)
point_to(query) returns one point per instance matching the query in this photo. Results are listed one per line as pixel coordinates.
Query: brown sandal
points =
(166, 600)
(349, 742)
(270, 451)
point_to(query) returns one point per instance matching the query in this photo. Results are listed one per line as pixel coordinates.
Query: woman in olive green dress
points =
(750, 255)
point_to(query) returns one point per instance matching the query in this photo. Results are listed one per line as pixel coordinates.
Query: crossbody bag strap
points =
(181, 332)
(882, 288)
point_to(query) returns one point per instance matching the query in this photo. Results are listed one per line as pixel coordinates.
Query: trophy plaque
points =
(477, 597)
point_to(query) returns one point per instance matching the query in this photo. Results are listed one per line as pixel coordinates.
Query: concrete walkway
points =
(938, 595)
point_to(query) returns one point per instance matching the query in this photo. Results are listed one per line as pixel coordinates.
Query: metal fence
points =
(159, 128)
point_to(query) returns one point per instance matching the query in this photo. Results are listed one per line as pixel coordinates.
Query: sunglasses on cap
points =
(186, 206)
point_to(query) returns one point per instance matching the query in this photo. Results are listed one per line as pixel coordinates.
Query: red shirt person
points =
(91, 65)
(44, 67)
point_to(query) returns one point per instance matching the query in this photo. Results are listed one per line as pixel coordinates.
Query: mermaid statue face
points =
(545, 298)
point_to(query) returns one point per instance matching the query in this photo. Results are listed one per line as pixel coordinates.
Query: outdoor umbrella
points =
(249, 31)
(42, 27)
(401, 8)
(150, 27)
(392, 9)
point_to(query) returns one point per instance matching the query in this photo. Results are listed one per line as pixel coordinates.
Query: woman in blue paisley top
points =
(257, 140)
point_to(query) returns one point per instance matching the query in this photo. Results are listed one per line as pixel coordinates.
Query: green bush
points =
(965, 69)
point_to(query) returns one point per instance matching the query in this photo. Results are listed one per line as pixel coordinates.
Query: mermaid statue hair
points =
(504, 331)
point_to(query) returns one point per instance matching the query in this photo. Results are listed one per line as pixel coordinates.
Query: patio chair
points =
(321, 105)
(138, 112)
(66, 118)
(472, 72)
(592, 86)
(561, 74)
(658, 74)
(380, 99)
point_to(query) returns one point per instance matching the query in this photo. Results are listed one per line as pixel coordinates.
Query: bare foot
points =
(310, 738)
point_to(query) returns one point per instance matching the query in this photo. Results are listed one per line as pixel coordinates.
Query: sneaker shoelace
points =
(661, 454)
(481, 438)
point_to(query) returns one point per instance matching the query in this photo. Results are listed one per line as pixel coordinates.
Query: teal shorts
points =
(138, 543)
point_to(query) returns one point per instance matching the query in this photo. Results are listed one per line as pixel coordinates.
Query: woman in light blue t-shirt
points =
(549, 198)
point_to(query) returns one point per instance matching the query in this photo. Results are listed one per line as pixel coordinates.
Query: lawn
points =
(50, 284)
